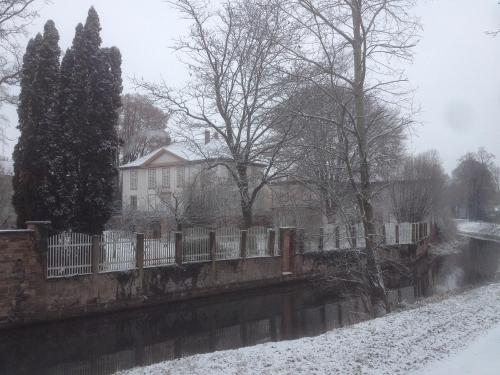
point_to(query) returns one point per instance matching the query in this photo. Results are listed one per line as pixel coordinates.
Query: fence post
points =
(95, 253)
(384, 235)
(271, 241)
(243, 244)
(212, 245)
(178, 248)
(397, 233)
(139, 251)
(321, 244)
(337, 237)
(287, 236)
(354, 236)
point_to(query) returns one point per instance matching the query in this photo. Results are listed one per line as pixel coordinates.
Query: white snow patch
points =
(478, 227)
(395, 344)
(480, 357)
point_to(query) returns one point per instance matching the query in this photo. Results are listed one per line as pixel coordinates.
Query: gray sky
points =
(456, 71)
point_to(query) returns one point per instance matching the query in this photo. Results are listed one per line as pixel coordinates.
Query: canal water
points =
(112, 342)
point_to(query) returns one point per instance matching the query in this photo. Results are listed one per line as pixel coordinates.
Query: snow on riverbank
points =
(478, 227)
(395, 344)
(480, 357)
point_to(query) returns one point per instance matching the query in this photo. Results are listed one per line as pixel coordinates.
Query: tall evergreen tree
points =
(89, 102)
(34, 180)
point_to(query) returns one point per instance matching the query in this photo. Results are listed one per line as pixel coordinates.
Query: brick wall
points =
(26, 295)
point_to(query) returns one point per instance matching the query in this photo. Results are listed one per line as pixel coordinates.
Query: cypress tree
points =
(90, 98)
(35, 181)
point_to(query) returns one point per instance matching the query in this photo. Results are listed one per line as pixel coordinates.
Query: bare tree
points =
(321, 163)
(356, 44)
(15, 16)
(232, 54)
(474, 186)
(141, 127)
(419, 188)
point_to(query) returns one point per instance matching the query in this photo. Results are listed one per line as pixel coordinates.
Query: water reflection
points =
(120, 341)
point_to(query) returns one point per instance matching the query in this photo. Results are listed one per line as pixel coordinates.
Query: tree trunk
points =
(246, 202)
(374, 276)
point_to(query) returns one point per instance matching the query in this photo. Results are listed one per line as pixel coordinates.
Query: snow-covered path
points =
(482, 357)
(398, 343)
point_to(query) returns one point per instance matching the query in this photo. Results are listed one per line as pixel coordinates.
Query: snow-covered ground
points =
(399, 343)
(478, 227)
(481, 357)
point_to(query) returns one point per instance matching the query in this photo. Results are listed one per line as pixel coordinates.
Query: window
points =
(133, 202)
(165, 177)
(180, 176)
(151, 178)
(152, 202)
(133, 180)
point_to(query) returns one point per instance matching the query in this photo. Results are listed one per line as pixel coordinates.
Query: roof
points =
(186, 151)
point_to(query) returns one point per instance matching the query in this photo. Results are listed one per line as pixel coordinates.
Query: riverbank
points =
(400, 342)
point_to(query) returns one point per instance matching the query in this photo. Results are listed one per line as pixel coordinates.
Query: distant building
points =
(182, 182)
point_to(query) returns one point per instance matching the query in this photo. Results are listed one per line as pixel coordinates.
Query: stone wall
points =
(28, 296)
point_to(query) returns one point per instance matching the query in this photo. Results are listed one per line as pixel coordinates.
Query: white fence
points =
(257, 242)
(159, 251)
(69, 254)
(117, 251)
(195, 245)
(227, 243)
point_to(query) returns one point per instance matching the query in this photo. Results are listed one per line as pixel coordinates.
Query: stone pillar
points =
(96, 252)
(212, 244)
(321, 244)
(243, 244)
(41, 231)
(139, 251)
(271, 240)
(178, 248)
(288, 249)
(337, 237)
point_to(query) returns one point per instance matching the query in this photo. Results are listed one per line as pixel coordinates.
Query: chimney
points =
(207, 136)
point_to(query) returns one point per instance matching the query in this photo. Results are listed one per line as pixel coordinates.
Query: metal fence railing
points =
(117, 251)
(69, 254)
(159, 251)
(227, 243)
(195, 245)
(257, 242)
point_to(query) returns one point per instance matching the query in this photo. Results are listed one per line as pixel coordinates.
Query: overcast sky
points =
(456, 72)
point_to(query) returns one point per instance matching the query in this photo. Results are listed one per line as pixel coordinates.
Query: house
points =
(183, 183)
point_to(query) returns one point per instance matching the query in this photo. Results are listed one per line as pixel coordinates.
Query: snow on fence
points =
(159, 251)
(195, 245)
(227, 243)
(257, 242)
(117, 251)
(69, 254)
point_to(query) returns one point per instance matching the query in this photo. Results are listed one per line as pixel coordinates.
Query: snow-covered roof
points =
(186, 151)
